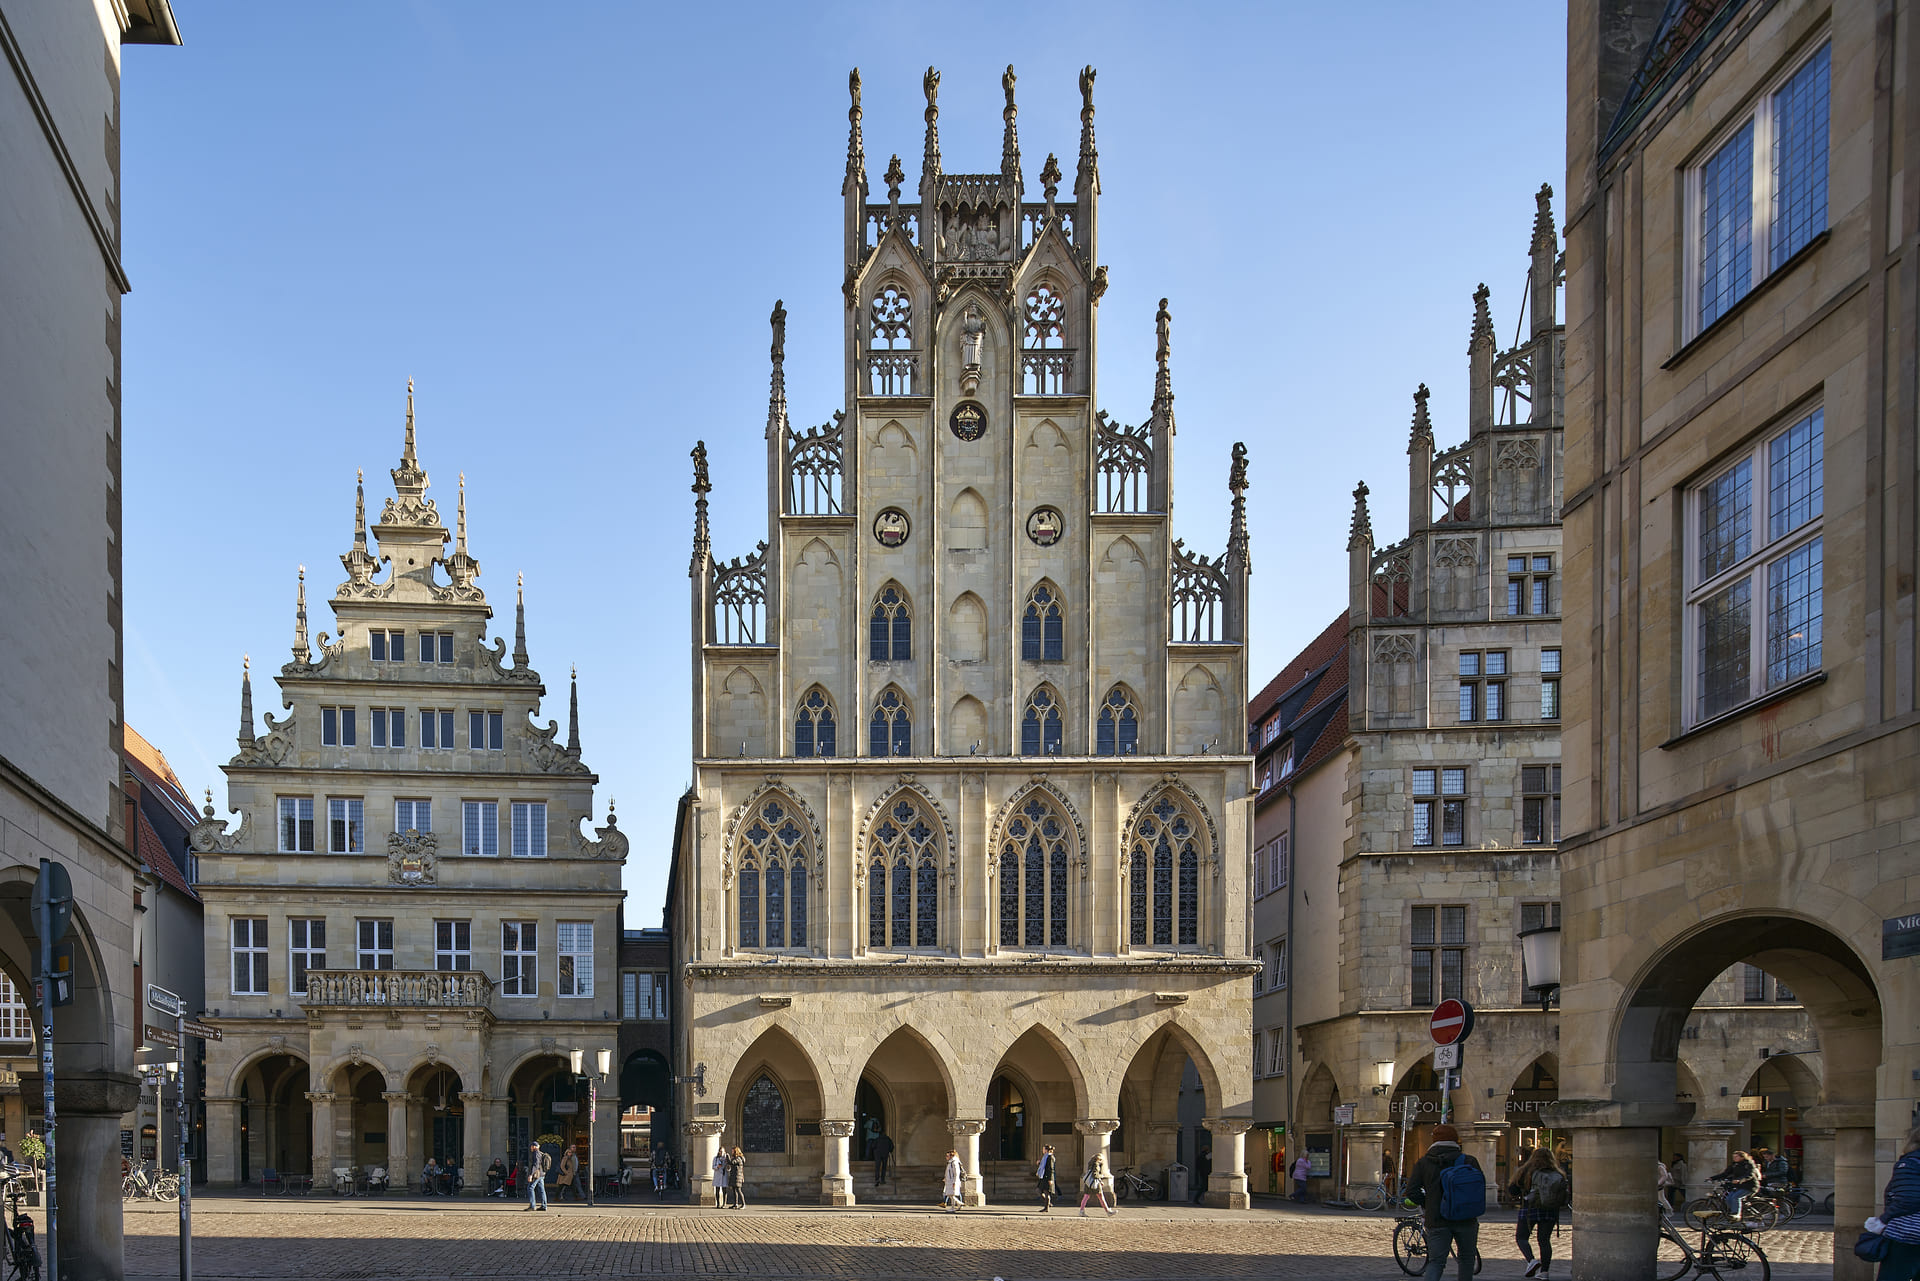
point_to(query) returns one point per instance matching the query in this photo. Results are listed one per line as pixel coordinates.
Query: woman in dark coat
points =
(1536, 1221)
(1900, 1219)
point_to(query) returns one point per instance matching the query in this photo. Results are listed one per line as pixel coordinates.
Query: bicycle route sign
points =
(1451, 1022)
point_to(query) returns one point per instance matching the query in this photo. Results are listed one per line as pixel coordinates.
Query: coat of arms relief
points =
(411, 857)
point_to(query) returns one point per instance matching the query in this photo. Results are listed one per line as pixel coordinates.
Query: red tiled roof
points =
(153, 852)
(150, 763)
(1319, 651)
(1331, 738)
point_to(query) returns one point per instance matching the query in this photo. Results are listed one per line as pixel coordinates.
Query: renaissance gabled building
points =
(965, 858)
(408, 933)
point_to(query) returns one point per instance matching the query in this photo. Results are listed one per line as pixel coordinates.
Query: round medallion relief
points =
(1045, 526)
(969, 420)
(891, 527)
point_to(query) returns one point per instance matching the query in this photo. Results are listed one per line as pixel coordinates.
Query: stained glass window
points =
(763, 1118)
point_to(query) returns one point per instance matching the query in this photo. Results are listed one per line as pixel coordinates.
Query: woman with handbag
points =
(1893, 1237)
(1097, 1181)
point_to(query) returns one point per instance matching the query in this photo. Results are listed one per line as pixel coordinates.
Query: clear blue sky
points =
(568, 223)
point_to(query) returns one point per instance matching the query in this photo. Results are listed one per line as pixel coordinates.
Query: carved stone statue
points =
(973, 324)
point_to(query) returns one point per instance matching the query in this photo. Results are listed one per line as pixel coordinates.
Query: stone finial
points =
(360, 564)
(360, 508)
(894, 176)
(702, 544)
(777, 379)
(246, 702)
(1544, 236)
(1482, 319)
(930, 157)
(461, 567)
(1237, 485)
(1010, 140)
(1361, 532)
(208, 812)
(1422, 425)
(856, 145)
(1163, 374)
(1050, 180)
(573, 712)
(520, 623)
(460, 520)
(302, 652)
(1088, 175)
(409, 481)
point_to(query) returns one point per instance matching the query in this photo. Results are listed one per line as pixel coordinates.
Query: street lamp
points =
(603, 1064)
(1540, 953)
(1383, 1076)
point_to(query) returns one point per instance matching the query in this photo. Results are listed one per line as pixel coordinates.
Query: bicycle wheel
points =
(1673, 1260)
(1802, 1205)
(1410, 1247)
(1704, 1212)
(1156, 1191)
(1371, 1197)
(167, 1189)
(1733, 1255)
(1122, 1188)
(129, 1189)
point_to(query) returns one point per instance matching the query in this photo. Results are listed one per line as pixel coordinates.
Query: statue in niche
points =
(973, 324)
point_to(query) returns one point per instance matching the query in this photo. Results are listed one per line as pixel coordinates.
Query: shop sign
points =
(1753, 1103)
(1343, 1115)
(565, 1109)
(1899, 936)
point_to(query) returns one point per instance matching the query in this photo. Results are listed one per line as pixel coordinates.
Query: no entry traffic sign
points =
(1451, 1022)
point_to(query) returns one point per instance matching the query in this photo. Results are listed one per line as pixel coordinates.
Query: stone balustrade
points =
(458, 989)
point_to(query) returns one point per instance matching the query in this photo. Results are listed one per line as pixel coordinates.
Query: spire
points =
(409, 482)
(360, 508)
(460, 520)
(573, 712)
(1050, 180)
(894, 176)
(1543, 233)
(360, 564)
(461, 567)
(1163, 377)
(1361, 532)
(1482, 318)
(1088, 176)
(930, 159)
(302, 653)
(1010, 142)
(1237, 485)
(1422, 426)
(777, 383)
(520, 623)
(856, 145)
(246, 702)
(702, 547)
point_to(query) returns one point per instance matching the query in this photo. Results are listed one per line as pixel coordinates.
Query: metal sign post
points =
(170, 1003)
(52, 910)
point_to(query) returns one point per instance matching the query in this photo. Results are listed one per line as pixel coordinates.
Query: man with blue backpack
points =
(1452, 1190)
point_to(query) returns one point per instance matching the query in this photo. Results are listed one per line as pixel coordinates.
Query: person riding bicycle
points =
(1737, 1181)
(1774, 1169)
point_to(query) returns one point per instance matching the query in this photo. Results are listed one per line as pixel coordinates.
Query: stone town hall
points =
(965, 859)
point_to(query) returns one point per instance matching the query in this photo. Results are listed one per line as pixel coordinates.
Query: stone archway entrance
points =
(1616, 1140)
(909, 1086)
(276, 1125)
(1033, 1099)
(646, 1109)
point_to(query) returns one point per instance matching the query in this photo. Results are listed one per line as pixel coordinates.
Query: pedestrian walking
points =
(569, 1173)
(720, 1178)
(737, 1178)
(1677, 1188)
(1451, 1190)
(1894, 1234)
(1097, 1181)
(950, 1189)
(538, 1163)
(1540, 1188)
(880, 1148)
(1202, 1169)
(1302, 1167)
(1043, 1175)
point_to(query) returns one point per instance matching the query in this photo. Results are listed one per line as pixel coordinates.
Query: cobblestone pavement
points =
(240, 1238)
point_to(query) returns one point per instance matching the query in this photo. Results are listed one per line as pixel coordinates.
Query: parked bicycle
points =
(1372, 1196)
(1723, 1252)
(143, 1182)
(1795, 1202)
(23, 1261)
(1410, 1244)
(1126, 1183)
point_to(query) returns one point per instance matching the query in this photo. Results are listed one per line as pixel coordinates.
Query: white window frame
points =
(529, 820)
(1550, 671)
(480, 829)
(438, 647)
(452, 945)
(376, 943)
(573, 952)
(1260, 975)
(436, 723)
(1532, 580)
(418, 815)
(300, 810)
(1760, 113)
(1279, 871)
(16, 1020)
(393, 654)
(643, 996)
(1762, 553)
(492, 736)
(514, 947)
(1437, 950)
(350, 836)
(1275, 964)
(1277, 1052)
(247, 936)
(390, 726)
(302, 955)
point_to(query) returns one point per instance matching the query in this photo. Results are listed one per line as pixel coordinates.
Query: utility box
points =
(1177, 1189)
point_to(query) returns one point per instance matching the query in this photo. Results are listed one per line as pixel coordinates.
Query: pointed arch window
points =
(1043, 628)
(1046, 320)
(1040, 729)
(813, 727)
(890, 733)
(1163, 877)
(763, 1117)
(771, 888)
(1033, 877)
(903, 879)
(891, 638)
(1118, 731)
(890, 319)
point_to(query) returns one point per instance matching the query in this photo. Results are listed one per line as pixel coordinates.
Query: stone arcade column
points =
(1816, 1161)
(1615, 1145)
(1856, 1189)
(473, 1142)
(323, 1158)
(1482, 1140)
(223, 1139)
(1708, 1147)
(966, 1137)
(1227, 1185)
(1366, 1144)
(703, 1142)
(399, 1160)
(1098, 1137)
(88, 1150)
(836, 1183)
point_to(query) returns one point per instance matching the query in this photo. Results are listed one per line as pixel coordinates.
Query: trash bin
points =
(1176, 1182)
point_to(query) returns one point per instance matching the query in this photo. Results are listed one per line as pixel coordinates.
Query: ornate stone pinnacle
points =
(930, 157)
(246, 702)
(1482, 318)
(777, 380)
(409, 481)
(1088, 175)
(1361, 531)
(1010, 142)
(302, 653)
(573, 712)
(520, 623)
(1237, 485)
(894, 176)
(702, 544)
(1050, 179)
(360, 508)
(856, 145)
(1543, 233)
(1163, 375)
(1422, 426)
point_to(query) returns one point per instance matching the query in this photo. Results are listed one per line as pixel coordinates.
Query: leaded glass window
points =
(890, 732)
(1033, 876)
(1165, 843)
(1118, 730)
(890, 638)
(771, 887)
(763, 1117)
(903, 881)
(813, 728)
(1040, 729)
(1042, 629)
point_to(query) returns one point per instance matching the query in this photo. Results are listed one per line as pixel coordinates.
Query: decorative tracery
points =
(1123, 458)
(891, 320)
(771, 887)
(740, 598)
(1117, 733)
(1199, 594)
(1043, 627)
(1041, 726)
(1033, 877)
(816, 464)
(890, 637)
(903, 878)
(1046, 320)
(890, 732)
(813, 725)
(1163, 876)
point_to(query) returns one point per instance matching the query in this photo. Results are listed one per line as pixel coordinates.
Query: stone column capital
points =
(1096, 1125)
(837, 1129)
(965, 1126)
(1709, 1130)
(321, 1096)
(226, 1098)
(395, 1096)
(1228, 1124)
(1163, 1127)
(472, 1098)
(710, 1128)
